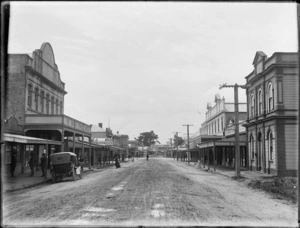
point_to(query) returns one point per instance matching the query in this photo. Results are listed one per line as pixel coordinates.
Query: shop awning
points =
(115, 147)
(28, 140)
(221, 143)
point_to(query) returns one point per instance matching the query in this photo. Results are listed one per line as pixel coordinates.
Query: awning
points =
(115, 147)
(221, 143)
(28, 140)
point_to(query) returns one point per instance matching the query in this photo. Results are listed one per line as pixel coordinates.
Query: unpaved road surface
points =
(161, 191)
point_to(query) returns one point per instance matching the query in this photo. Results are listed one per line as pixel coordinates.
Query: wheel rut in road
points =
(158, 192)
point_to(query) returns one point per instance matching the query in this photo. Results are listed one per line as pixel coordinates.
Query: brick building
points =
(272, 127)
(34, 106)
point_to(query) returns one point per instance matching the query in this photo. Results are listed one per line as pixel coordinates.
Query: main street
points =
(160, 191)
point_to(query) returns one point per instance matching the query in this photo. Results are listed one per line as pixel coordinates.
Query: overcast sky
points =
(151, 65)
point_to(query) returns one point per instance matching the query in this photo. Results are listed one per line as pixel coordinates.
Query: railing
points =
(58, 119)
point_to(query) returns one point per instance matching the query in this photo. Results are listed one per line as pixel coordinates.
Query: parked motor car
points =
(64, 164)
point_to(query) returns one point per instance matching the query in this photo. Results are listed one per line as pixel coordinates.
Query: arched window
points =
(259, 102)
(57, 104)
(270, 97)
(42, 101)
(47, 103)
(61, 107)
(270, 138)
(52, 105)
(252, 146)
(29, 96)
(252, 106)
(36, 98)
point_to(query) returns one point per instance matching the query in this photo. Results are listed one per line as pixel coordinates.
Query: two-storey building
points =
(273, 93)
(35, 99)
(217, 146)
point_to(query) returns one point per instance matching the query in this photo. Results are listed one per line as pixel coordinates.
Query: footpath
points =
(21, 181)
(279, 187)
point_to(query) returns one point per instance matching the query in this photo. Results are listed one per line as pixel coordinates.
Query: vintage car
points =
(64, 164)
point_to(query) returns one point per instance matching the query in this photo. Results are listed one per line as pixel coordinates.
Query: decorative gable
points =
(258, 61)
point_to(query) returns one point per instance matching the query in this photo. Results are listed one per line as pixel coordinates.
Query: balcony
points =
(56, 121)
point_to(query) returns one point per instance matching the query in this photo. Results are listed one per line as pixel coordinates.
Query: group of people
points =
(31, 164)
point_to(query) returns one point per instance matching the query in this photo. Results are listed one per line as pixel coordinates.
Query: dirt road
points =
(161, 191)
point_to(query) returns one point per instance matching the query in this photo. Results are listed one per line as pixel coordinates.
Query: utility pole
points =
(176, 145)
(188, 140)
(236, 123)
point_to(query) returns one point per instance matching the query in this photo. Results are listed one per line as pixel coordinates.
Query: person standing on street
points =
(43, 164)
(117, 163)
(13, 164)
(147, 156)
(81, 161)
(31, 165)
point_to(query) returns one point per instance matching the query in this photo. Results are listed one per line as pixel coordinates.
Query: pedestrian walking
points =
(147, 157)
(81, 161)
(117, 163)
(13, 164)
(31, 165)
(43, 164)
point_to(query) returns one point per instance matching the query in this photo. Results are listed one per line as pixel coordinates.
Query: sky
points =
(142, 66)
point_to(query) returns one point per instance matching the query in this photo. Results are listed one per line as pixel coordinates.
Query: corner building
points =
(272, 126)
(34, 107)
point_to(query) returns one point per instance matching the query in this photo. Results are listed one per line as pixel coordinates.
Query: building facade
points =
(215, 143)
(272, 126)
(219, 116)
(35, 103)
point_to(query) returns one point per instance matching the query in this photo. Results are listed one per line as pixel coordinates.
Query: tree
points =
(179, 139)
(132, 150)
(147, 138)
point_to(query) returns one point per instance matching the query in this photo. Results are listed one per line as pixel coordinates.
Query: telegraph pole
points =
(236, 123)
(188, 139)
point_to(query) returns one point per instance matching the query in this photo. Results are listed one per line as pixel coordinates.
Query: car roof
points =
(70, 153)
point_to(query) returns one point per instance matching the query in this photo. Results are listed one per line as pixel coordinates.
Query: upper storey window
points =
(47, 103)
(52, 105)
(259, 102)
(270, 97)
(56, 106)
(42, 101)
(61, 107)
(252, 103)
(36, 98)
(29, 96)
